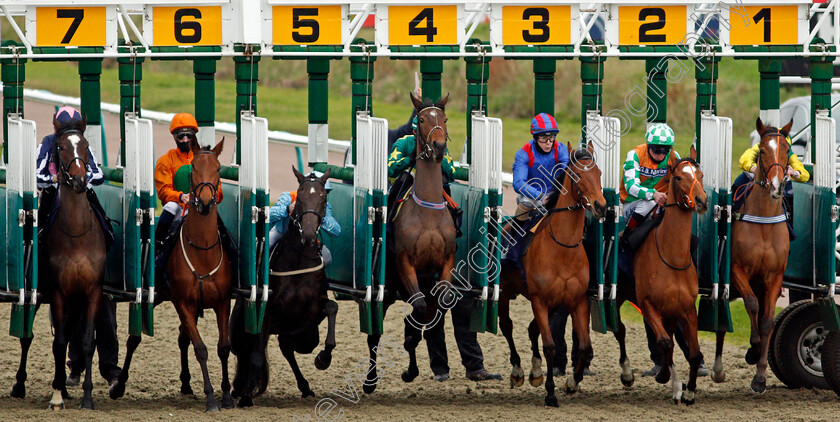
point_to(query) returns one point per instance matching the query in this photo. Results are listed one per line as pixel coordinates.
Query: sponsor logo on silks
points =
(647, 172)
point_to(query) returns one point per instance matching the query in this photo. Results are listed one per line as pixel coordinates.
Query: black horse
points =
(298, 302)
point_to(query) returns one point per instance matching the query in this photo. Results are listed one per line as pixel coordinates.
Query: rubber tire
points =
(785, 348)
(831, 361)
(771, 354)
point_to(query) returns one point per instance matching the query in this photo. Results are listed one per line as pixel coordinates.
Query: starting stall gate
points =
(130, 263)
(714, 228)
(601, 243)
(19, 282)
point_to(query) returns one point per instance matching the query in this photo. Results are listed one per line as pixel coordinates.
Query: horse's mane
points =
(427, 102)
(578, 154)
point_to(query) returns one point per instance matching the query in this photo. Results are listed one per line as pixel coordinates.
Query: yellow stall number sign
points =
(422, 25)
(187, 25)
(315, 25)
(757, 25)
(71, 26)
(647, 25)
(526, 25)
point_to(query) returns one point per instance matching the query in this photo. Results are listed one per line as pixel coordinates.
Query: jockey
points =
(795, 170)
(401, 161)
(535, 165)
(183, 128)
(279, 218)
(646, 175)
(47, 168)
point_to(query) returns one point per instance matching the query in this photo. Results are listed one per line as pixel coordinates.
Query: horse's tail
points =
(251, 359)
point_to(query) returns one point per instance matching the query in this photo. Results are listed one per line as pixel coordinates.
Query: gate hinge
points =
(138, 216)
(835, 213)
(717, 212)
(255, 214)
(487, 211)
(371, 214)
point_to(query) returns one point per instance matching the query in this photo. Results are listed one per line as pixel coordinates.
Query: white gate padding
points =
(716, 150)
(604, 134)
(139, 155)
(486, 166)
(371, 170)
(253, 171)
(824, 167)
(20, 171)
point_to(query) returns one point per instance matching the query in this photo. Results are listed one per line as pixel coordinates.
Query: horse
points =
(298, 302)
(556, 272)
(760, 253)
(424, 235)
(666, 284)
(200, 277)
(72, 266)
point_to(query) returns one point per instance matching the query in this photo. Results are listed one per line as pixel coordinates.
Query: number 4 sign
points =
(420, 25)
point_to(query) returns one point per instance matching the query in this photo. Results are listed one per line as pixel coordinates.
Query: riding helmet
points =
(543, 123)
(68, 116)
(659, 134)
(181, 121)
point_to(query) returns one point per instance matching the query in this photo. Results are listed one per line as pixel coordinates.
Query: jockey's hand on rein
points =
(292, 207)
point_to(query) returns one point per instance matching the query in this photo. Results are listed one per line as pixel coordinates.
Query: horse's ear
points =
(300, 177)
(759, 127)
(693, 153)
(786, 130)
(591, 148)
(218, 148)
(442, 103)
(417, 101)
(83, 125)
(569, 148)
(326, 175)
(194, 147)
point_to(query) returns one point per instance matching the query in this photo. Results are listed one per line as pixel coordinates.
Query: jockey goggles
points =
(185, 135)
(659, 149)
(546, 138)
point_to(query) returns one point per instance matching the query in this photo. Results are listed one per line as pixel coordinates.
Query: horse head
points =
(771, 164)
(431, 134)
(204, 178)
(587, 177)
(72, 155)
(310, 206)
(687, 184)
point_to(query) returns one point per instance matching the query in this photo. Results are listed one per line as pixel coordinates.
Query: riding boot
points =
(97, 208)
(162, 229)
(456, 214)
(787, 207)
(48, 196)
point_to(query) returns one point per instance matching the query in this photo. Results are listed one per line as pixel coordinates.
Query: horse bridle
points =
(687, 201)
(64, 169)
(296, 219)
(427, 151)
(765, 182)
(195, 189)
(582, 203)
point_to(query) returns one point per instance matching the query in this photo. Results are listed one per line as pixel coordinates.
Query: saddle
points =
(51, 203)
(515, 243)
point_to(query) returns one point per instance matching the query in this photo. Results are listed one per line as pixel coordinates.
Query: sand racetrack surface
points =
(153, 389)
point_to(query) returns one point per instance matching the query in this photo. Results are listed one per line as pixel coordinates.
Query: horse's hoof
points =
(759, 387)
(18, 391)
(551, 401)
(73, 379)
(628, 382)
(306, 393)
(323, 360)
(65, 395)
(752, 355)
(368, 389)
(212, 407)
(186, 390)
(568, 389)
(55, 407)
(409, 375)
(516, 381)
(535, 381)
(227, 401)
(718, 377)
(663, 376)
(245, 402)
(116, 390)
(86, 405)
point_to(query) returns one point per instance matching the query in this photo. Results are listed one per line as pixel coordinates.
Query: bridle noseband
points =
(63, 168)
(427, 150)
(582, 203)
(298, 215)
(765, 181)
(687, 201)
(195, 189)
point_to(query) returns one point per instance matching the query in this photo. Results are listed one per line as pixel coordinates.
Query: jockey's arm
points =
(398, 161)
(520, 177)
(95, 175)
(797, 165)
(44, 178)
(747, 160)
(163, 183)
(330, 224)
(447, 167)
(632, 182)
(280, 210)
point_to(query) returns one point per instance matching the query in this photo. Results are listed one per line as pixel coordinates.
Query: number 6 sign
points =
(187, 25)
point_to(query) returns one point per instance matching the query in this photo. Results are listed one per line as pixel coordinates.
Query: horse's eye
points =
(678, 178)
(420, 120)
(446, 120)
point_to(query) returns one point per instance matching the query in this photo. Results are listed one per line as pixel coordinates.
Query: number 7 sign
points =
(71, 26)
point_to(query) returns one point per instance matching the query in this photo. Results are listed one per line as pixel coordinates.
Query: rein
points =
(65, 168)
(195, 189)
(72, 236)
(578, 206)
(765, 182)
(662, 258)
(427, 151)
(687, 204)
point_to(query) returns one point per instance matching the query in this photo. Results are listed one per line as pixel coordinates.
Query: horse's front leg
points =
(184, 347)
(718, 373)
(19, 389)
(580, 322)
(535, 377)
(627, 377)
(517, 375)
(324, 358)
(766, 325)
(189, 326)
(288, 351)
(663, 339)
(695, 357)
(88, 347)
(741, 281)
(118, 390)
(59, 348)
(223, 349)
(541, 319)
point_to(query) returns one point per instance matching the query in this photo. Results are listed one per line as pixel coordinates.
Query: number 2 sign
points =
(651, 25)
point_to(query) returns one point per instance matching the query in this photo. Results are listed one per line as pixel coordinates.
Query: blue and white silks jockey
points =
(536, 164)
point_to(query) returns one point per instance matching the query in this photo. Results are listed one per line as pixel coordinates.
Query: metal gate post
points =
(430, 71)
(361, 75)
(591, 78)
(319, 90)
(544, 70)
(657, 90)
(130, 71)
(205, 100)
(90, 72)
(246, 73)
(706, 75)
(770, 70)
(13, 74)
(477, 72)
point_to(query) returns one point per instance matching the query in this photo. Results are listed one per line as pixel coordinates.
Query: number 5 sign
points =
(420, 25)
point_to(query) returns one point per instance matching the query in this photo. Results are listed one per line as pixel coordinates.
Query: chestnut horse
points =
(199, 273)
(760, 252)
(666, 279)
(557, 272)
(72, 265)
(298, 302)
(424, 236)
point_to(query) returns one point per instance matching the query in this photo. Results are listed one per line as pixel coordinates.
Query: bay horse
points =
(760, 252)
(298, 302)
(200, 277)
(556, 272)
(424, 240)
(72, 266)
(666, 284)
